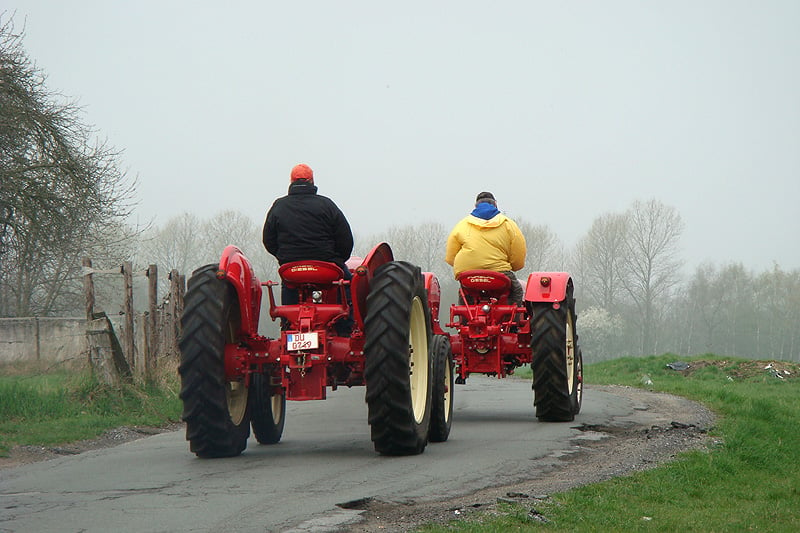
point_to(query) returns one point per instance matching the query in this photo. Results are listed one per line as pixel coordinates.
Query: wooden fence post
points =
(88, 288)
(151, 353)
(130, 346)
(181, 293)
(172, 325)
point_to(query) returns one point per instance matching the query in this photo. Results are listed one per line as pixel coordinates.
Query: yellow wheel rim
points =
(418, 359)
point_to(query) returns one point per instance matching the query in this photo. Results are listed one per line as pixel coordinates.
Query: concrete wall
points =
(42, 339)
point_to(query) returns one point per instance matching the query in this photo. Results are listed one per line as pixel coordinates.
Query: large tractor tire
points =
(215, 410)
(557, 362)
(398, 368)
(267, 409)
(442, 408)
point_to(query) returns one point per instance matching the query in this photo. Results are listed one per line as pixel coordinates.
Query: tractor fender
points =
(380, 254)
(434, 292)
(237, 270)
(547, 286)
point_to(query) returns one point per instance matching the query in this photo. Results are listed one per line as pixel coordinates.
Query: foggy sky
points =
(564, 110)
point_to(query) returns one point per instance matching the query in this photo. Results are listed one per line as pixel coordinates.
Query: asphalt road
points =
(324, 464)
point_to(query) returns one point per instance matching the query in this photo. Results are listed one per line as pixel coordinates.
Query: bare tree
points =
(186, 242)
(777, 294)
(651, 265)
(230, 227)
(709, 300)
(603, 250)
(59, 190)
(402, 241)
(431, 249)
(576, 265)
(423, 244)
(740, 317)
(178, 245)
(545, 250)
(233, 227)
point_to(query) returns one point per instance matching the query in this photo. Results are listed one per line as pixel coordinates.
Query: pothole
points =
(360, 504)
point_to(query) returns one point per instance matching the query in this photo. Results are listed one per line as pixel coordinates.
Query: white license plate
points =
(302, 341)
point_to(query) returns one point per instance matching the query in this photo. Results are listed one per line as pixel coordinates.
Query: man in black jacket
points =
(305, 225)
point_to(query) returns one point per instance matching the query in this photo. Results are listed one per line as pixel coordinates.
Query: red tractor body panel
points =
(488, 281)
(434, 293)
(309, 356)
(310, 272)
(235, 267)
(362, 275)
(546, 286)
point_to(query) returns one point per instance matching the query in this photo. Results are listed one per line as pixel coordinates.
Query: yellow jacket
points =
(495, 244)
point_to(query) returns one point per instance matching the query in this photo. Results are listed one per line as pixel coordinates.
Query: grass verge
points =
(45, 408)
(748, 481)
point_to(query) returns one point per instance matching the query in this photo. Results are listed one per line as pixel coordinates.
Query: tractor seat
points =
(321, 273)
(484, 280)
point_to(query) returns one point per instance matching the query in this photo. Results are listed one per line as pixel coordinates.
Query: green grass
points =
(49, 408)
(749, 481)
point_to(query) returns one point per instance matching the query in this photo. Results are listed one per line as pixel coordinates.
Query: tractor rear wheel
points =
(557, 362)
(267, 409)
(442, 408)
(215, 409)
(398, 368)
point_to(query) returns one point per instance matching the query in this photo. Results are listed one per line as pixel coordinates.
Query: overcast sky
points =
(566, 111)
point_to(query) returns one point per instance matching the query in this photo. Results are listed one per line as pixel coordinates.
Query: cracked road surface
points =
(324, 475)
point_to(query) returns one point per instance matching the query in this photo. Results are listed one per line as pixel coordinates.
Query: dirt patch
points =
(661, 427)
(741, 370)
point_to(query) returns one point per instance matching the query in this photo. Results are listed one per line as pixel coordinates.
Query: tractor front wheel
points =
(215, 409)
(442, 408)
(576, 397)
(267, 409)
(398, 368)
(557, 361)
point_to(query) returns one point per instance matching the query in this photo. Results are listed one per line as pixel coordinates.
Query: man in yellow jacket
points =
(487, 239)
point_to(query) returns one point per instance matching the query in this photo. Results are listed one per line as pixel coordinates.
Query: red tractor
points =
(495, 336)
(233, 379)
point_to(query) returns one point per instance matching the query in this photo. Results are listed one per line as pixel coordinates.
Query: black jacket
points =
(304, 225)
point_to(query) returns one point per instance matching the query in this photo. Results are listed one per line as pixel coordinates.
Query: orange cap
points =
(302, 172)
